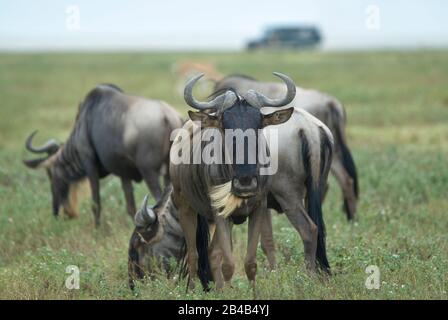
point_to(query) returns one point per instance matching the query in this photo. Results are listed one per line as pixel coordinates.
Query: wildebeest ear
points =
(277, 117)
(207, 120)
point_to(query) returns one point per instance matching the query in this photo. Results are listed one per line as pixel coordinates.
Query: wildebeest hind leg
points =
(128, 190)
(308, 232)
(347, 186)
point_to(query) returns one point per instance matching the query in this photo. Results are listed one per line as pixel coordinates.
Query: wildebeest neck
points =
(68, 164)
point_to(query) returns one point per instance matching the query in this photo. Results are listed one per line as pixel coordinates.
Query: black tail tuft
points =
(314, 200)
(349, 165)
(346, 158)
(202, 240)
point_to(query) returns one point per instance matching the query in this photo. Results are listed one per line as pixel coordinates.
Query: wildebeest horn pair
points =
(50, 147)
(145, 216)
(228, 99)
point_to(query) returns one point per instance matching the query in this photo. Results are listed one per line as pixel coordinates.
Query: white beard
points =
(223, 200)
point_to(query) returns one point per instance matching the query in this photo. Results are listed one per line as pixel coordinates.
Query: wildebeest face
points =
(240, 119)
(243, 122)
(240, 125)
(63, 193)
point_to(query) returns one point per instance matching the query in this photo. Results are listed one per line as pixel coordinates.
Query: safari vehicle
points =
(287, 37)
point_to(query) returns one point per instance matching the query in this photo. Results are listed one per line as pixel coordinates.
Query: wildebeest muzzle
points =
(245, 186)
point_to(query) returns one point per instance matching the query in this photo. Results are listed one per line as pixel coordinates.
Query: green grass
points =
(397, 104)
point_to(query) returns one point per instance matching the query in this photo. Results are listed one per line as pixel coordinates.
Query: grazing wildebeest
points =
(327, 109)
(157, 239)
(209, 193)
(114, 133)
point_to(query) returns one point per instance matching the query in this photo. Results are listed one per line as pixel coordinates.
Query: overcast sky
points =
(225, 24)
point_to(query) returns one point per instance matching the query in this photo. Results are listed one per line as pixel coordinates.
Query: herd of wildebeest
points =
(191, 223)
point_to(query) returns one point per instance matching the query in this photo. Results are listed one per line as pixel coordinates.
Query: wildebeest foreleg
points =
(267, 240)
(307, 229)
(223, 237)
(129, 196)
(253, 237)
(215, 257)
(96, 201)
(188, 222)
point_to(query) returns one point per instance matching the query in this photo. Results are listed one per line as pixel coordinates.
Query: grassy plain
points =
(397, 105)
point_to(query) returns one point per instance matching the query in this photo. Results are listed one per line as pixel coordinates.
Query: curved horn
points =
(51, 146)
(35, 163)
(145, 217)
(258, 100)
(223, 101)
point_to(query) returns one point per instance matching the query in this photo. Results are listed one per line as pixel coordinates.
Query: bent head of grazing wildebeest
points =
(64, 192)
(211, 192)
(114, 133)
(157, 243)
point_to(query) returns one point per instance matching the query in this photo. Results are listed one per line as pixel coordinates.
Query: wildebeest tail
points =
(345, 154)
(202, 242)
(314, 186)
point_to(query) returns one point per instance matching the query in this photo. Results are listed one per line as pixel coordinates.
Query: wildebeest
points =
(157, 240)
(326, 108)
(114, 133)
(208, 193)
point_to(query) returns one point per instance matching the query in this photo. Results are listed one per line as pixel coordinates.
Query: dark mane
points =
(112, 86)
(92, 99)
(100, 92)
